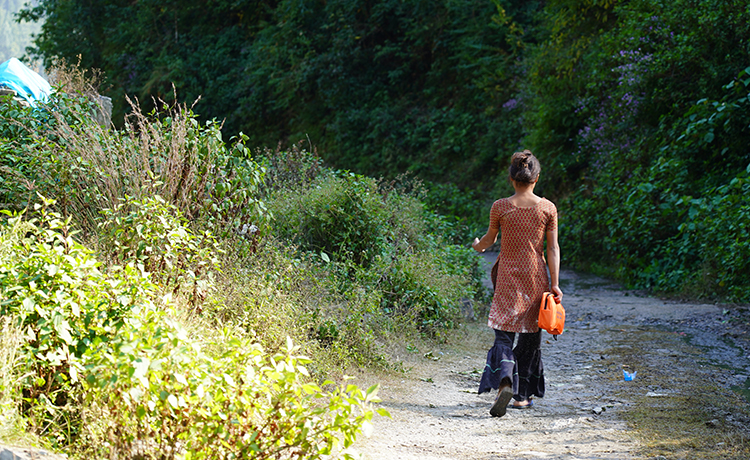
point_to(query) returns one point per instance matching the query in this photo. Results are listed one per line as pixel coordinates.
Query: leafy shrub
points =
(24, 131)
(290, 169)
(264, 296)
(673, 227)
(340, 215)
(416, 286)
(155, 235)
(55, 292)
(166, 397)
(411, 275)
(95, 337)
(87, 167)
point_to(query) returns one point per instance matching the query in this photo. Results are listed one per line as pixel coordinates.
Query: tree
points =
(381, 87)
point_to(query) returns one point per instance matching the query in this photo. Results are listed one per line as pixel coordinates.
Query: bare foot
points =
(525, 403)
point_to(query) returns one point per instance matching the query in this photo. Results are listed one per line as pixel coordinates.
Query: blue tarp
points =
(24, 81)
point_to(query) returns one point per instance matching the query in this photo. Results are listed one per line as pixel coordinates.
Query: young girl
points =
(524, 221)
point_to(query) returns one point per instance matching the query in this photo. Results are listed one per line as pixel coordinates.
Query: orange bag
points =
(551, 315)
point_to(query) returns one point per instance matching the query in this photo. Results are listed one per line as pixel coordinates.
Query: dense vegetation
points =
(130, 254)
(378, 87)
(642, 105)
(638, 109)
(161, 283)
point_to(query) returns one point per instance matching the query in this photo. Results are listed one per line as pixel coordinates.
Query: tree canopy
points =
(637, 109)
(379, 87)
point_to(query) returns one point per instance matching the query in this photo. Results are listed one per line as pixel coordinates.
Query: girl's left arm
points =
(553, 261)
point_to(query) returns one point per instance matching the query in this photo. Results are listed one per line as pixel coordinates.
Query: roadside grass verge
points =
(200, 300)
(679, 408)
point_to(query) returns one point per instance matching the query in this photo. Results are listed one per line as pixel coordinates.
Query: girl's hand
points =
(474, 245)
(558, 293)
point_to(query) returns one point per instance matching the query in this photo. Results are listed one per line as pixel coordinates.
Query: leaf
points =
(140, 367)
(63, 330)
(384, 413)
(230, 381)
(181, 379)
(709, 137)
(310, 388)
(325, 257)
(52, 270)
(73, 374)
(367, 428)
(28, 303)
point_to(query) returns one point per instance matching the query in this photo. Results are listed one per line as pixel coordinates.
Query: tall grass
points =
(11, 372)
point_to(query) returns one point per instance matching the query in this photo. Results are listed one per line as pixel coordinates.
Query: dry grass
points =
(165, 157)
(11, 423)
(72, 79)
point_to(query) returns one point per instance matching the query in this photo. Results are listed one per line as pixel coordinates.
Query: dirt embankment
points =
(692, 363)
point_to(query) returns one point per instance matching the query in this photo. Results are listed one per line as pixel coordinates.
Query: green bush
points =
(86, 167)
(97, 358)
(153, 234)
(291, 169)
(405, 263)
(54, 291)
(340, 216)
(166, 397)
(674, 223)
(24, 134)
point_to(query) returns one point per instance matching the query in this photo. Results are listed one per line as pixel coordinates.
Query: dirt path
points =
(680, 404)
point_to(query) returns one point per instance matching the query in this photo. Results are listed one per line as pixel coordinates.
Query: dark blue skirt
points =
(521, 366)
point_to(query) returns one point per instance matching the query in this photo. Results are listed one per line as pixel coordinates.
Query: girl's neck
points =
(524, 196)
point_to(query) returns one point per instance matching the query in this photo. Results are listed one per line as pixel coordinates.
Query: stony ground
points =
(684, 402)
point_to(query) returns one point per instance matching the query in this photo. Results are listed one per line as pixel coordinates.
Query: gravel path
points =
(589, 411)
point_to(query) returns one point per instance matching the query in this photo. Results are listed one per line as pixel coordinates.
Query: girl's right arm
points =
(487, 240)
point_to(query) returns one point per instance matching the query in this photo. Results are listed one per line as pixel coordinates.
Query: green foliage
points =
(88, 168)
(56, 294)
(381, 241)
(431, 77)
(94, 337)
(165, 396)
(677, 224)
(462, 210)
(11, 342)
(24, 131)
(341, 216)
(409, 289)
(649, 130)
(556, 85)
(154, 235)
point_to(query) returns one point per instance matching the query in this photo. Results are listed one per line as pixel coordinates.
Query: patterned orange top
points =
(522, 275)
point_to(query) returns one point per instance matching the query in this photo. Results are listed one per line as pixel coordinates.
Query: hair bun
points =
(524, 167)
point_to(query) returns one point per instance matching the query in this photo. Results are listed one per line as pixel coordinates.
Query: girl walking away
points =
(523, 220)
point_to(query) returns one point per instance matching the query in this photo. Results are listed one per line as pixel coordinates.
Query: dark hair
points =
(524, 167)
